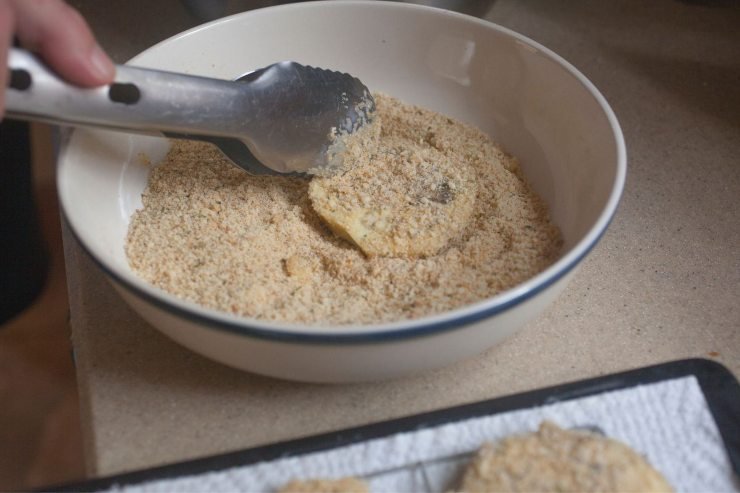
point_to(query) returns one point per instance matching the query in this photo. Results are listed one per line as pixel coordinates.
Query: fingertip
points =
(62, 37)
(85, 66)
(101, 66)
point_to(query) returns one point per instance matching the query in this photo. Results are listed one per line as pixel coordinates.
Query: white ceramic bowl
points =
(526, 97)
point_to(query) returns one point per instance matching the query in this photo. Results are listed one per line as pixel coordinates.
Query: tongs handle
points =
(139, 100)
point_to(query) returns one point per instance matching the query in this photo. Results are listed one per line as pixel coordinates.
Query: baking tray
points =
(720, 388)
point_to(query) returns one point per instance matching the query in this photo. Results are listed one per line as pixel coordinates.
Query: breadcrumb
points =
(254, 246)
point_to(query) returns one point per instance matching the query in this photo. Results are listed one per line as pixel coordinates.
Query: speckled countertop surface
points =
(663, 284)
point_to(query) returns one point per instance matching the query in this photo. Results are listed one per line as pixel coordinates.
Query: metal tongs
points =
(279, 119)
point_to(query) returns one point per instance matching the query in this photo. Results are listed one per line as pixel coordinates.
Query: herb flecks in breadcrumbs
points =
(254, 246)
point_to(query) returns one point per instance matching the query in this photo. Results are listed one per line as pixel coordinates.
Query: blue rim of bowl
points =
(245, 329)
(423, 327)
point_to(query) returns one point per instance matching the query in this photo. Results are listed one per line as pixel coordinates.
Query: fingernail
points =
(102, 65)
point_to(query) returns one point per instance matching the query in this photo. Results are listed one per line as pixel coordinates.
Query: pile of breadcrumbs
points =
(255, 246)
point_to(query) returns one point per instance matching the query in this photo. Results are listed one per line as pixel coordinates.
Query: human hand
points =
(60, 35)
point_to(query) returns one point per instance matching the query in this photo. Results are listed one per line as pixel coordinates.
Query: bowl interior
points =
(531, 102)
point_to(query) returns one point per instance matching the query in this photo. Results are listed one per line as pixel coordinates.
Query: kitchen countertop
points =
(663, 284)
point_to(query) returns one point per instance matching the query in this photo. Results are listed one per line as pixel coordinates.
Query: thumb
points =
(61, 36)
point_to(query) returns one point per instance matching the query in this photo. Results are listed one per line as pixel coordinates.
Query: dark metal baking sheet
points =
(721, 391)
